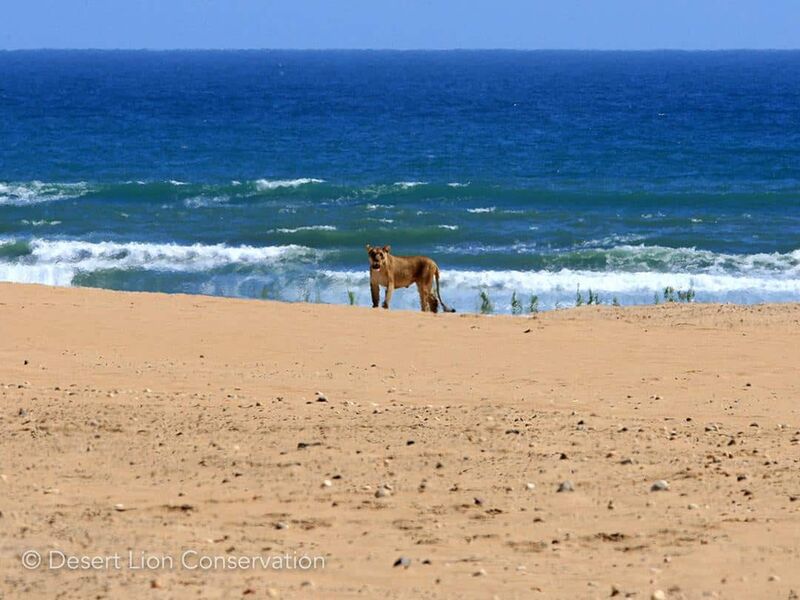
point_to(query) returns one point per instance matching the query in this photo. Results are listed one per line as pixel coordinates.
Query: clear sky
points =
(400, 24)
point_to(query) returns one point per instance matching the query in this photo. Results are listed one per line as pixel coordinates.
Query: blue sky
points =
(400, 24)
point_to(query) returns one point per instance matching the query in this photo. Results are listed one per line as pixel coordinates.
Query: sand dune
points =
(157, 424)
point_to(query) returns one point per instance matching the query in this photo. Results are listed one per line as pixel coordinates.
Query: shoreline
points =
(160, 423)
(524, 299)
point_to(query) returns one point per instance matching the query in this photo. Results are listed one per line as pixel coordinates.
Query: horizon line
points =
(334, 49)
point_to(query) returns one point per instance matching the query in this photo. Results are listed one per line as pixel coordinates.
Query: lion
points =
(392, 272)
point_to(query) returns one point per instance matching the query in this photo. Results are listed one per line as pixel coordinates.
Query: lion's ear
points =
(387, 248)
(369, 247)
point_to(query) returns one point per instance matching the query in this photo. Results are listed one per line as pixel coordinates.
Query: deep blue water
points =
(264, 173)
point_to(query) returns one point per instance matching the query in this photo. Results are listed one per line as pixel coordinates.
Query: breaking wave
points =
(34, 192)
(57, 262)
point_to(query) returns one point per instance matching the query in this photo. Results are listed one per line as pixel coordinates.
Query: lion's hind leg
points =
(423, 297)
(433, 303)
(427, 299)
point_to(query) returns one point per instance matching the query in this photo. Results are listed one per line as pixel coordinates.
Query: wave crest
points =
(274, 184)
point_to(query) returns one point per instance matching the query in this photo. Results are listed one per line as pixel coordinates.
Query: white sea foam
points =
(450, 227)
(456, 184)
(306, 228)
(34, 192)
(612, 240)
(274, 184)
(488, 209)
(558, 288)
(176, 182)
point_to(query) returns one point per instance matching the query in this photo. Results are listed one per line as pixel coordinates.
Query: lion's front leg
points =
(389, 291)
(375, 290)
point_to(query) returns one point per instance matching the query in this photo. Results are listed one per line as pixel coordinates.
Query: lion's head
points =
(377, 256)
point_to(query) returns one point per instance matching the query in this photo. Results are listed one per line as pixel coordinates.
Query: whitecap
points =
(39, 222)
(306, 228)
(274, 184)
(409, 184)
(204, 201)
(34, 192)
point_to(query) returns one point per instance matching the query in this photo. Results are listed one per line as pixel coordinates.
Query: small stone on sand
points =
(566, 486)
(659, 486)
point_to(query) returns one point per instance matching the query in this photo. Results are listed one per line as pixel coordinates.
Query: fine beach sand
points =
(199, 417)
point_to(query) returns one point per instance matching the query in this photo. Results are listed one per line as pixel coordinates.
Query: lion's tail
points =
(445, 308)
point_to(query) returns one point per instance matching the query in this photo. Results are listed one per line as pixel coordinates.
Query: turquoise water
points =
(263, 174)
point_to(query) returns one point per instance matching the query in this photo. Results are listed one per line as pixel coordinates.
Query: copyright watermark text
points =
(187, 560)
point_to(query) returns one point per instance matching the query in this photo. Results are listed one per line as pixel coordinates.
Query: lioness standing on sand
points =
(400, 272)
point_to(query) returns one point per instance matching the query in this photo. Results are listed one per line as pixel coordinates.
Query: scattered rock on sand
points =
(659, 486)
(120, 507)
(321, 397)
(402, 562)
(530, 486)
(327, 483)
(566, 486)
(658, 595)
(281, 525)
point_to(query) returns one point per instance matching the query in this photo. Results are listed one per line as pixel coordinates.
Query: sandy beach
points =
(145, 425)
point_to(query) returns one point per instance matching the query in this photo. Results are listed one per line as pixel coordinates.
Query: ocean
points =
(263, 174)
